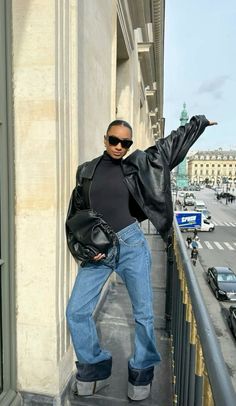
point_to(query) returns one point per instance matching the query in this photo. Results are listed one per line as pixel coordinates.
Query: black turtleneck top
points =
(109, 194)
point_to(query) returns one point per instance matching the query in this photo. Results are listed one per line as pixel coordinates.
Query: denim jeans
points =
(134, 268)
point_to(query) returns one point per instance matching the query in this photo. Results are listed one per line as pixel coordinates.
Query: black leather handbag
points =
(87, 232)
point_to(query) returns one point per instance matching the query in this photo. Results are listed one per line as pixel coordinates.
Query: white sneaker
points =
(89, 388)
(138, 392)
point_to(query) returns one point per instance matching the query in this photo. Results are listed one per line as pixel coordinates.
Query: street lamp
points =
(227, 191)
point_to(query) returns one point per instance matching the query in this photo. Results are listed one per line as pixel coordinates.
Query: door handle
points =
(1, 262)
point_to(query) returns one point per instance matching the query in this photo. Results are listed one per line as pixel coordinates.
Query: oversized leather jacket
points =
(147, 175)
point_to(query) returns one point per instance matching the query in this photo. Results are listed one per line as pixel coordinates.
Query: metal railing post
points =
(169, 284)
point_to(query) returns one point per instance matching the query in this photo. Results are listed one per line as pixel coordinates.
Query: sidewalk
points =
(116, 328)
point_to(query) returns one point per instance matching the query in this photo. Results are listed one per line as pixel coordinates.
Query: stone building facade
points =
(67, 69)
(214, 167)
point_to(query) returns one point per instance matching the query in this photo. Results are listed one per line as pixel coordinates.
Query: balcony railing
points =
(200, 374)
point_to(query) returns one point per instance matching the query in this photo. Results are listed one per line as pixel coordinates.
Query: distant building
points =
(214, 167)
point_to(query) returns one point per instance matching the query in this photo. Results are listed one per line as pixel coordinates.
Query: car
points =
(218, 190)
(222, 281)
(199, 205)
(189, 201)
(206, 213)
(232, 319)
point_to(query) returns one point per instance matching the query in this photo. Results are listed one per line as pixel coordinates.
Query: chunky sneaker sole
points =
(138, 392)
(90, 388)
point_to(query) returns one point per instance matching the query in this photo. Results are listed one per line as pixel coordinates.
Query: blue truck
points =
(188, 220)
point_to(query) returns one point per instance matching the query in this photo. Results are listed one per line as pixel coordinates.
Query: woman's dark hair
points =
(120, 122)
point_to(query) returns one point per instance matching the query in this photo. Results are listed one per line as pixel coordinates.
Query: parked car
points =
(222, 281)
(232, 319)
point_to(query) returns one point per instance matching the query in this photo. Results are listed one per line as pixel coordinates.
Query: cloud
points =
(214, 86)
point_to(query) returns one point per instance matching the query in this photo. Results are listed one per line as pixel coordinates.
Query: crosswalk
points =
(211, 245)
(223, 223)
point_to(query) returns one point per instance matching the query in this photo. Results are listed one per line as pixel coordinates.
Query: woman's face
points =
(121, 132)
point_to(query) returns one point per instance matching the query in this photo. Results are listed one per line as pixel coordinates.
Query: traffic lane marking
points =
(218, 245)
(229, 246)
(208, 244)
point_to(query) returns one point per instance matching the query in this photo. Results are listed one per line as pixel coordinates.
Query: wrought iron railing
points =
(200, 374)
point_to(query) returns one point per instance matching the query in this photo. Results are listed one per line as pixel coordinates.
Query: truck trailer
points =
(189, 220)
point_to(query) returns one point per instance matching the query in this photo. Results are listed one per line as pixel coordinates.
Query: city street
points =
(218, 248)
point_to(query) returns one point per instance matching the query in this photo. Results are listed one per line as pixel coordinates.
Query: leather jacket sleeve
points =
(175, 146)
(76, 249)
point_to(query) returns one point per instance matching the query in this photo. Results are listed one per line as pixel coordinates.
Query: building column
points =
(45, 96)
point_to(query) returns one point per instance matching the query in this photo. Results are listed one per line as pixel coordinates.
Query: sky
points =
(200, 67)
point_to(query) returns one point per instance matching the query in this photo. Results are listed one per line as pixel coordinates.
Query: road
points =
(218, 248)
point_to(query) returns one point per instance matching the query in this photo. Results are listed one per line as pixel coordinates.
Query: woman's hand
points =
(212, 122)
(98, 257)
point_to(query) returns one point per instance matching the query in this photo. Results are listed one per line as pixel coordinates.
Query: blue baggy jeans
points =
(134, 267)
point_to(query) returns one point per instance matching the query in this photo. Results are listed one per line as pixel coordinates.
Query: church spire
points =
(184, 115)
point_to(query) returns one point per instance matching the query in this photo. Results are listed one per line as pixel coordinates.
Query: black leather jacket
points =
(147, 175)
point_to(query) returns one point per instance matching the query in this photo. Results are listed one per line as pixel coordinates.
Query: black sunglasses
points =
(113, 140)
